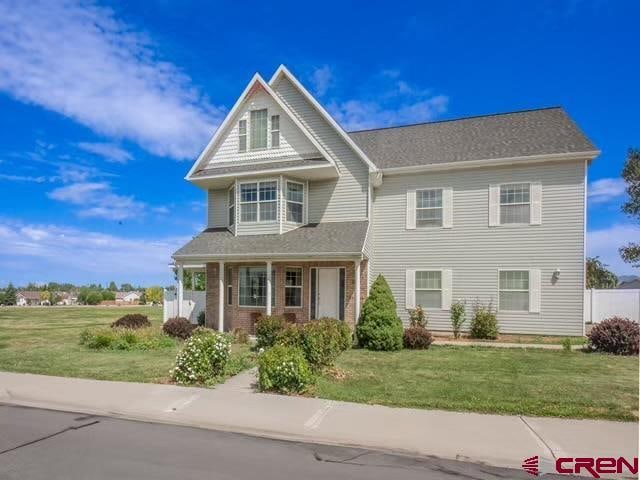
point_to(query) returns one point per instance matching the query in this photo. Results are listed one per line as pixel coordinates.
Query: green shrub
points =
(323, 340)
(132, 320)
(458, 317)
(566, 345)
(283, 369)
(290, 336)
(202, 316)
(203, 357)
(267, 330)
(178, 327)
(379, 327)
(417, 338)
(418, 317)
(616, 335)
(125, 339)
(240, 335)
(484, 323)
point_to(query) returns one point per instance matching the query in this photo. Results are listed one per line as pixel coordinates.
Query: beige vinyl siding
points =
(475, 252)
(293, 143)
(217, 208)
(332, 200)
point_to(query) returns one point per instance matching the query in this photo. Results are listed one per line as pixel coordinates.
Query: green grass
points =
(489, 380)
(45, 340)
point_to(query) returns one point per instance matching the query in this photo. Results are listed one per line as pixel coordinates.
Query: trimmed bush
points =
(204, 357)
(240, 335)
(417, 338)
(125, 339)
(323, 340)
(616, 335)
(283, 369)
(178, 327)
(566, 345)
(291, 336)
(132, 320)
(379, 327)
(458, 317)
(267, 330)
(484, 324)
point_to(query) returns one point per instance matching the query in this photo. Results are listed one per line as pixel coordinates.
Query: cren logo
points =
(530, 465)
(581, 465)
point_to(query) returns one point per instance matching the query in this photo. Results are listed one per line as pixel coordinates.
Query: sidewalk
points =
(497, 440)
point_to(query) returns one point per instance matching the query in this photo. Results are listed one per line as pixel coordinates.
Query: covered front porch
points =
(239, 292)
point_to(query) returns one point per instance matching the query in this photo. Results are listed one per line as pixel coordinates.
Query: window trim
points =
(528, 270)
(301, 286)
(257, 202)
(287, 201)
(266, 146)
(500, 204)
(231, 219)
(273, 289)
(441, 208)
(244, 135)
(415, 288)
(274, 130)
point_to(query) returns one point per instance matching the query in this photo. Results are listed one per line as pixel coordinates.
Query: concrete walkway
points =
(492, 439)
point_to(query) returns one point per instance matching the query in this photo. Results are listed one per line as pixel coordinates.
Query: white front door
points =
(328, 293)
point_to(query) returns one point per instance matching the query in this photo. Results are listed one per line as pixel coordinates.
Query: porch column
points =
(357, 289)
(180, 288)
(221, 296)
(269, 286)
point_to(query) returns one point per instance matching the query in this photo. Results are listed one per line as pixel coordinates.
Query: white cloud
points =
(79, 60)
(321, 80)
(604, 243)
(98, 200)
(22, 178)
(58, 252)
(110, 151)
(606, 189)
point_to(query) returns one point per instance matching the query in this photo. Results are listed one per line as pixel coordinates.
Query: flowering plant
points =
(203, 357)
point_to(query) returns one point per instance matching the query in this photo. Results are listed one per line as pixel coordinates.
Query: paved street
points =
(43, 444)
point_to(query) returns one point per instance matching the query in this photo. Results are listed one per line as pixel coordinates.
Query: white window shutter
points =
(534, 290)
(447, 284)
(494, 205)
(411, 209)
(536, 204)
(410, 289)
(447, 207)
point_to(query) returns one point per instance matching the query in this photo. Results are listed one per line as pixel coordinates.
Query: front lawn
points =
(490, 380)
(45, 340)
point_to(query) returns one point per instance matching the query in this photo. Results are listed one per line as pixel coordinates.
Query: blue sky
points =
(103, 106)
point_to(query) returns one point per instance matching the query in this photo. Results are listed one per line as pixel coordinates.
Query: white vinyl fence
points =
(602, 304)
(192, 304)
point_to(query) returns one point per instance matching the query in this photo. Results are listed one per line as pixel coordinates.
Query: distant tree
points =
(56, 298)
(127, 287)
(112, 286)
(32, 286)
(45, 296)
(598, 276)
(10, 295)
(154, 295)
(143, 298)
(94, 297)
(2, 297)
(108, 295)
(630, 253)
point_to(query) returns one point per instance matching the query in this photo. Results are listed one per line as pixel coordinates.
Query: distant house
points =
(29, 297)
(128, 297)
(67, 298)
(630, 284)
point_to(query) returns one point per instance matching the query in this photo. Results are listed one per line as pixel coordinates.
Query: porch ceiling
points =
(336, 239)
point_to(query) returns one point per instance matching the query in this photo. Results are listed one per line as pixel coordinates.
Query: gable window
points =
(515, 203)
(293, 287)
(259, 201)
(232, 206)
(242, 136)
(514, 290)
(275, 131)
(428, 287)
(229, 280)
(295, 202)
(253, 287)
(429, 208)
(258, 129)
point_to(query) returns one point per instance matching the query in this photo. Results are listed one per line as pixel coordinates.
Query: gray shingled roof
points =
(250, 167)
(314, 239)
(532, 132)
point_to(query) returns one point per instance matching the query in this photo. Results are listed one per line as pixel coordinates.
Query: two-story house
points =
(303, 216)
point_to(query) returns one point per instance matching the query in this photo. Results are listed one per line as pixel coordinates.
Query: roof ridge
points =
(470, 117)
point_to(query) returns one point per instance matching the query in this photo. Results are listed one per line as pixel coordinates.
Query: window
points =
(259, 201)
(253, 287)
(242, 136)
(515, 203)
(293, 287)
(232, 206)
(258, 129)
(295, 202)
(514, 290)
(229, 280)
(429, 289)
(275, 131)
(429, 208)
